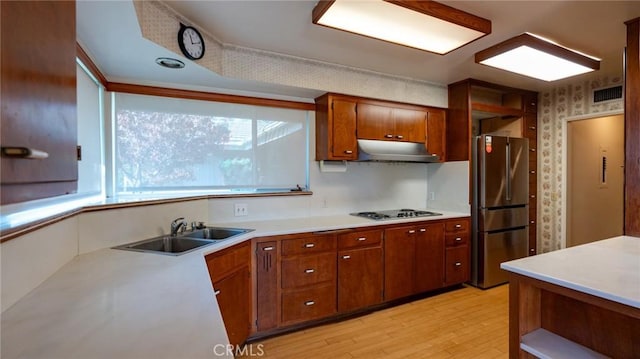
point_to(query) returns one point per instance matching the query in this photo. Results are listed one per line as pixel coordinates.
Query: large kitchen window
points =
(165, 146)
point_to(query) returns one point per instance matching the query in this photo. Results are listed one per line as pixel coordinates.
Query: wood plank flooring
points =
(465, 323)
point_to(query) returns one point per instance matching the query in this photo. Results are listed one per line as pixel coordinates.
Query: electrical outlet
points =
(240, 209)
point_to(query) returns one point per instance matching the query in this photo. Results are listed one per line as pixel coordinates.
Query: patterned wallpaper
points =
(160, 24)
(555, 106)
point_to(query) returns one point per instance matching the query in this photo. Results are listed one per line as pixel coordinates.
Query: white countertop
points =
(121, 304)
(609, 269)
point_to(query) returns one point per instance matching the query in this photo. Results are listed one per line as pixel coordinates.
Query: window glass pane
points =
(165, 144)
(89, 107)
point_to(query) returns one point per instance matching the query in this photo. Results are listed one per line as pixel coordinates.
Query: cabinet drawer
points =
(458, 239)
(359, 239)
(308, 245)
(455, 226)
(456, 264)
(307, 270)
(313, 303)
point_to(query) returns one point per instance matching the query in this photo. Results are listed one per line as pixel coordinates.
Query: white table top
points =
(121, 304)
(609, 269)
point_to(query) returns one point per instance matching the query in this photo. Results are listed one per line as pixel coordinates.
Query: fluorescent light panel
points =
(536, 57)
(420, 25)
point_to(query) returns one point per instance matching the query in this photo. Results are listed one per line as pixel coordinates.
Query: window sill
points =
(19, 219)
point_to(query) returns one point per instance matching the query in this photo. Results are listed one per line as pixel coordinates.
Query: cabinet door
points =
(375, 122)
(359, 278)
(234, 300)
(38, 98)
(399, 262)
(343, 131)
(436, 133)
(267, 286)
(429, 257)
(410, 125)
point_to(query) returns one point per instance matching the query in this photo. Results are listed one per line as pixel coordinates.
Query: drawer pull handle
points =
(458, 226)
(532, 172)
(361, 239)
(532, 127)
(423, 230)
(458, 239)
(532, 149)
(309, 303)
(458, 264)
(348, 152)
(399, 137)
(412, 231)
(388, 136)
(24, 152)
(270, 248)
(532, 221)
(532, 250)
(346, 257)
(309, 245)
(216, 292)
(308, 271)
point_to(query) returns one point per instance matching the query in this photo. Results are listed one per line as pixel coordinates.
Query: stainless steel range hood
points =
(392, 151)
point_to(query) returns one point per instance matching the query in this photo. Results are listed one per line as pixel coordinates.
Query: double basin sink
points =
(184, 242)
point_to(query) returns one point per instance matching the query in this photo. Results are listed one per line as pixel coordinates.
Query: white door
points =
(595, 179)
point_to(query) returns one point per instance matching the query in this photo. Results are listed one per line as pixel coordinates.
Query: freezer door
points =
(500, 247)
(502, 218)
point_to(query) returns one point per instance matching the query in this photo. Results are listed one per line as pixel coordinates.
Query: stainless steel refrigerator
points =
(499, 206)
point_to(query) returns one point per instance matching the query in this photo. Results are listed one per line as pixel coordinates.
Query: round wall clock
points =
(191, 42)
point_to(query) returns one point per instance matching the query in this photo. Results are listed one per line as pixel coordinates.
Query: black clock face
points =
(191, 42)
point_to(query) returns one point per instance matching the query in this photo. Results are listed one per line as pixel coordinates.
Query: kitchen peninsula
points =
(111, 303)
(581, 301)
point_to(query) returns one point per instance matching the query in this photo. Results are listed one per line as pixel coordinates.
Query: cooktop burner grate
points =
(395, 214)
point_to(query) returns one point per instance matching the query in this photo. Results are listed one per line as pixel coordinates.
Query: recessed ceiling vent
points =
(607, 94)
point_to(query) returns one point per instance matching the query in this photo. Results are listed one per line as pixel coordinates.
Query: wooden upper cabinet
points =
(385, 122)
(436, 133)
(336, 128)
(341, 120)
(38, 97)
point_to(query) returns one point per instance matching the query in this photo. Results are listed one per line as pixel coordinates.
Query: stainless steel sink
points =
(216, 233)
(185, 242)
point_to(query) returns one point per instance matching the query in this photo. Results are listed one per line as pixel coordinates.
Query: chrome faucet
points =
(176, 225)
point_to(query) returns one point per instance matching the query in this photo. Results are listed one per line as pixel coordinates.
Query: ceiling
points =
(109, 32)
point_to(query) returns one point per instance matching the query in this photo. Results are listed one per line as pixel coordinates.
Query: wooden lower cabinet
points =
(399, 262)
(233, 296)
(429, 253)
(266, 285)
(457, 256)
(360, 270)
(230, 274)
(308, 278)
(312, 276)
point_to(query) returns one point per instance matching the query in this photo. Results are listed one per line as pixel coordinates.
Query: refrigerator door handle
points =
(508, 171)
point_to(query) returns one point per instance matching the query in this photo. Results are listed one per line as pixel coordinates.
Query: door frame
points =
(565, 145)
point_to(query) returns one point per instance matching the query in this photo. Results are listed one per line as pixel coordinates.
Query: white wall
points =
(449, 186)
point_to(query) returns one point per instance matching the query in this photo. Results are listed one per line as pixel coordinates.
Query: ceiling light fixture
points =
(169, 63)
(424, 25)
(534, 56)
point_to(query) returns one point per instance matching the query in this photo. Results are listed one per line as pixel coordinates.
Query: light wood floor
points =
(465, 323)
